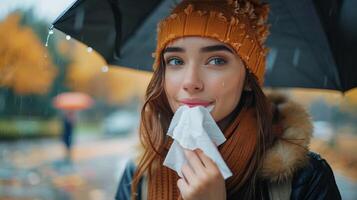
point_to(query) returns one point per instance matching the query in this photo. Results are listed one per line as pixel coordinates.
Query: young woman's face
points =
(203, 71)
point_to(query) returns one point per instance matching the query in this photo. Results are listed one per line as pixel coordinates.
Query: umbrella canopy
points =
(72, 101)
(312, 42)
(105, 25)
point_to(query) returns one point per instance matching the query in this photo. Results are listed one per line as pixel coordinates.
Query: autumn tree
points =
(89, 73)
(25, 64)
(30, 73)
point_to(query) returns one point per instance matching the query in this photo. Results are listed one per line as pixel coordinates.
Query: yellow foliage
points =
(345, 102)
(116, 86)
(307, 96)
(24, 61)
(351, 97)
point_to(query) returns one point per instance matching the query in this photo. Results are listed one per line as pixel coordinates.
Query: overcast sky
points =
(44, 9)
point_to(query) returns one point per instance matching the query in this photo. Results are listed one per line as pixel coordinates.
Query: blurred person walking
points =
(69, 121)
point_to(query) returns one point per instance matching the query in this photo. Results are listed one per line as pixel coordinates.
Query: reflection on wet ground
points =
(35, 169)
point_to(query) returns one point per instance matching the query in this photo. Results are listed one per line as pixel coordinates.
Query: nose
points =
(192, 81)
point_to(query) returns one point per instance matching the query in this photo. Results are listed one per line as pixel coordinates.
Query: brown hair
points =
(156, 115)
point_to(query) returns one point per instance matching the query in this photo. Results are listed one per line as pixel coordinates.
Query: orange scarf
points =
(236, 151)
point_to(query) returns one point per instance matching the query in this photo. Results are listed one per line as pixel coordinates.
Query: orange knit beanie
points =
(238, 23)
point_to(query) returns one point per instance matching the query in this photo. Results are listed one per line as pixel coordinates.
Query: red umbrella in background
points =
(72, 101)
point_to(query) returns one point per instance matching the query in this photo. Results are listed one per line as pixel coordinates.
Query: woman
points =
(212, 53)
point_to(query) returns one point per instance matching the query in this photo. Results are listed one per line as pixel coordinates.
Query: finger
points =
(207, 161)
(210, 165)
(182, 186)
(194, 160)
(188, 173)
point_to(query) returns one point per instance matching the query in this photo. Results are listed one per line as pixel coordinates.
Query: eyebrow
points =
(173, 49)
(204, 49)
(216, 48)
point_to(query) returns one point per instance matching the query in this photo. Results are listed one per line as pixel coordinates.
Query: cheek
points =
(227, 99)
(227, 95)
(172, 87)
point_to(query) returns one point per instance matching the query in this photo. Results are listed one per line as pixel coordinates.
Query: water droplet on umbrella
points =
(105, 69)
(50, 32)
(89, 49)
(68, 37)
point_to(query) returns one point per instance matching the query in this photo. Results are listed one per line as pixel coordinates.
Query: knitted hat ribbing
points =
(238, 23)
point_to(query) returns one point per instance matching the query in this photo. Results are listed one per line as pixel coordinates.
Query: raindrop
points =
(296, 57)
(105, 69)
(50, 32)
(271, 59)
(20, 104)
(89, 49)
(277, 18)
(2, 103)
(330, 11)
(79, 19)
(68, 37)
(325, 81)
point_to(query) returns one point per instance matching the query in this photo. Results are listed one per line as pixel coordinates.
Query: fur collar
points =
(288, 153)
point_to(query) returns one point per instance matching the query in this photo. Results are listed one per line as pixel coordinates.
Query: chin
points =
(216, 119)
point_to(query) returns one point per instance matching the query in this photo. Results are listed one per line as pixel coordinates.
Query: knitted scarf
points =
(236, 151)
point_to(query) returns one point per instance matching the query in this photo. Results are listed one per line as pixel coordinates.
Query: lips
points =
(195, 102)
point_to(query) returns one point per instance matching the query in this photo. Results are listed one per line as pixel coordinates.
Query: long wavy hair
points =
(156, 115)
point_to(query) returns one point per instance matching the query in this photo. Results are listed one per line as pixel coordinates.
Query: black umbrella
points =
(313, 43)
(107, 25)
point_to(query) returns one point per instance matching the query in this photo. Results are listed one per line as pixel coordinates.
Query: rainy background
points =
(36, 65)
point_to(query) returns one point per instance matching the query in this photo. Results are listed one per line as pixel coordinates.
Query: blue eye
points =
(174, 61)
(217, 61)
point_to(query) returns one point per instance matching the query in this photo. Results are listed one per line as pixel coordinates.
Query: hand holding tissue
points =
(194, 128)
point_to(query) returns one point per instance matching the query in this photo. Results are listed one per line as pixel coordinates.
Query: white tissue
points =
(194, 128)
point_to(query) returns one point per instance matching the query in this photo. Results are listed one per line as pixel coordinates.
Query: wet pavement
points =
(37, 170)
